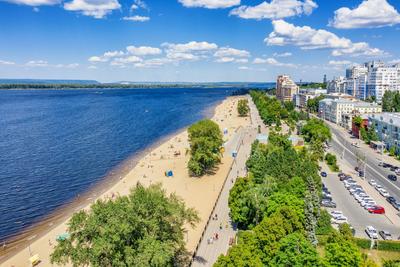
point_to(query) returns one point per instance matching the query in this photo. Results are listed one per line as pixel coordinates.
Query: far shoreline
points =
(20, 240)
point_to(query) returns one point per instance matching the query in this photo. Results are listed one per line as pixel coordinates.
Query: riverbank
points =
(199, 193)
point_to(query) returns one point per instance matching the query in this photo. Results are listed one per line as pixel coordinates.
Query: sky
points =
(194, 40)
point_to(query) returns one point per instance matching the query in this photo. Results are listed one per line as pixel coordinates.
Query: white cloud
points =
(91, 67)
(110, 54)
(394, 61)
(137, 18)
(143, 50)
(139, 4)
(182, 56)
(243, 68)
(231, 52)
(276, 9)
(191, 46)
(211, 4)
(308, 38)
(273, 61)
(37, 63)
(95, 59)
(3, 62)
(126, 60)
(67, 66)
(285, 54)
(152, 63)
(94, 8)
(34, 2)
(369, 14)
(339, 62)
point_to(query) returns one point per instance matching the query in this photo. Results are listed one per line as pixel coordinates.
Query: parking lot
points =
(356, 215)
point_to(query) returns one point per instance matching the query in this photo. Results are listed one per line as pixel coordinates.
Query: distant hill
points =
(39, 81)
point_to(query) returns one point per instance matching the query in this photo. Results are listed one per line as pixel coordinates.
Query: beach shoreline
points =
(110, 181)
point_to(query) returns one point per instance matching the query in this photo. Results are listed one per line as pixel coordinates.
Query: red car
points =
(377, 210)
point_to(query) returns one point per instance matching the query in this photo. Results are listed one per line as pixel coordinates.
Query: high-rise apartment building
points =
(286, 89)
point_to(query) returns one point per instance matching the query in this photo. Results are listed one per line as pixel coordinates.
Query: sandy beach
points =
(199, 193)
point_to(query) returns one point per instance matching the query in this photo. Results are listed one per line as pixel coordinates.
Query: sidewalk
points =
(210, 247)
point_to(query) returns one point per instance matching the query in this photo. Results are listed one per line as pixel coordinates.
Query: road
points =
(357, 216)
(341, 144)
(208, 252)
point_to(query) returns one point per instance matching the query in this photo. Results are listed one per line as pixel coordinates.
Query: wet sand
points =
(146, 168)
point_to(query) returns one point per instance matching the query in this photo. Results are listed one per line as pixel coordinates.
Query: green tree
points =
(358, 121)
(391, 263)
(343, 253)
(205, 140)
(316, 129)
(144, 228)
(243, 107)
(295, 250)
(372, 135)
(364, 135)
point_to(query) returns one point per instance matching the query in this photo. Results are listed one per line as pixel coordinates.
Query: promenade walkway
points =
(208, 251)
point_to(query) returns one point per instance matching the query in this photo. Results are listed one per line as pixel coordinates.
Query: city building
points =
(304, 95)
(286, 89)
(355, 129)
(387, 126)
(337, 85)
(341, 111)
(381, 79)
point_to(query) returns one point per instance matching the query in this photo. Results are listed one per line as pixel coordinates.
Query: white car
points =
(384, 193)
(378, 186)
(371, 232)
(336, 213)
(366, 201)
(372, 183)
(339, 220)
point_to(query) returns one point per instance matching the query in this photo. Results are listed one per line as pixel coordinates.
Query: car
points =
(361, 173)
(334, 213)
(387, 165)
(341, 174)
(377, 210)
(378, 187)
(367, 201)
(326, 198)
(397, 171)
(370, 204)
(344, 178)
(380, 163)
(384, 193)
(323, 174)
(393, 168)
(355, 144)
(371, 232)
(391, 200)
(392, 177)
(328, 204)
(339, 220)
(372, 182)
(385, 235)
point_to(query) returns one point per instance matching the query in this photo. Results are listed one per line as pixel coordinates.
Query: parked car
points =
(392, 177)
(328, 204)
(396, 206)
(372, 182)
(397, 171)
(344, 178)
(323, 174)
(377, 210)
(371, 232)
(339, 220)
(383, 192)
(385, 235)
(393, 168)
(391, 200)
(361, 173)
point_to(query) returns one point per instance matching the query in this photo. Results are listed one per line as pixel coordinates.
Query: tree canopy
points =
(205, 140)
(144, 228)
(243, 107)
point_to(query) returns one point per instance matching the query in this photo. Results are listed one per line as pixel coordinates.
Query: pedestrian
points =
(220, 226)
(216, 236)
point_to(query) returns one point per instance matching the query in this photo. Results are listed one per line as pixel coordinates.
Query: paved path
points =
(208, 252)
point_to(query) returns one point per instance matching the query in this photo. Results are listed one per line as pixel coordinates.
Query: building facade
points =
(341, 111)
(337, 85)
(387, 126)
(286, 89)
(304, 95)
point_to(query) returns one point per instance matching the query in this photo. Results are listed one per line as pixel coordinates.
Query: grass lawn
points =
(378, 255)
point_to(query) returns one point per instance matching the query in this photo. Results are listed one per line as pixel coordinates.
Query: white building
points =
(371, 79)
(304, 95)
(337, 85)
(387, 126)
(382, 79)
(339, 110)
(286, 89)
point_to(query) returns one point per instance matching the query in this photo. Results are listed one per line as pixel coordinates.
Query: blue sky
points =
(194, 40)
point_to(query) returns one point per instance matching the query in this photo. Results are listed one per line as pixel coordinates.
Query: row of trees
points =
(205, 140)
(243, 107)
(277, 209)
(313, 104)
(145, 228)
(316, 133)
(272, 111)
